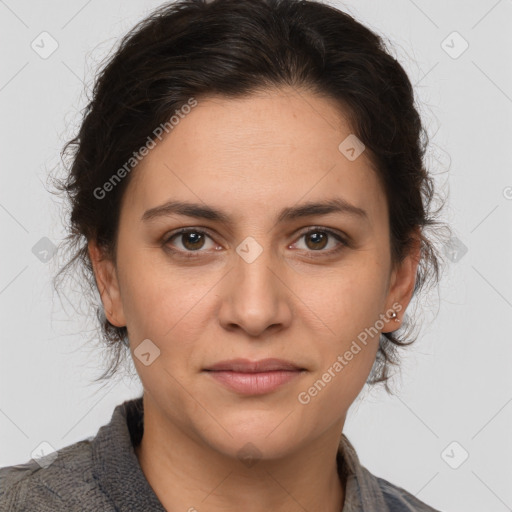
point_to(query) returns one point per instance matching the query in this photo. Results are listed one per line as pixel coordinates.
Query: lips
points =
(247, 366)
(246, 377)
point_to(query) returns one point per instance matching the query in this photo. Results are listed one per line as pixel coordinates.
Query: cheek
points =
(347, 338)
(329, 392)
(161, 303)
(347, 300)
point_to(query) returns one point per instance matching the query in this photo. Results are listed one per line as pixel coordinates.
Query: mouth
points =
(254, 377)
(246, 366)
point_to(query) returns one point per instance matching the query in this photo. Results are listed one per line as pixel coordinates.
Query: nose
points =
(255, 295)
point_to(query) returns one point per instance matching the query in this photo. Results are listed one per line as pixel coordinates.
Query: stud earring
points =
(394, 315)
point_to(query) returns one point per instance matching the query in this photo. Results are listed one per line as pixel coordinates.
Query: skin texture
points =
(251, 158)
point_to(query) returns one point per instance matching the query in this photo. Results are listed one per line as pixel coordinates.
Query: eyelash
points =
(194, 254)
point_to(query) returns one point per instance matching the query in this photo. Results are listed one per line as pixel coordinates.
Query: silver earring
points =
(394, 315)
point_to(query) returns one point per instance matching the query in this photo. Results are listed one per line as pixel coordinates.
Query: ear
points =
(108, 285)
(402, 281)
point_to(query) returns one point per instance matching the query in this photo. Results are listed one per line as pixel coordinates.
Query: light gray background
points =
(456, 380)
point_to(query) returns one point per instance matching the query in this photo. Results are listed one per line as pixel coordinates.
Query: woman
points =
(249, 198)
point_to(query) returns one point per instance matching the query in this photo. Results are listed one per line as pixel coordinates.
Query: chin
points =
(266, 437)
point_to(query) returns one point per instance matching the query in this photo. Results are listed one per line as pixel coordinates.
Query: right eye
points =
(192, 240)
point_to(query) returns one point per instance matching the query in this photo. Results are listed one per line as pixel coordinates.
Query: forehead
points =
(272, 148)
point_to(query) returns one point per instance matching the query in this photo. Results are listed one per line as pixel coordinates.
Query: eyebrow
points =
(202, 211)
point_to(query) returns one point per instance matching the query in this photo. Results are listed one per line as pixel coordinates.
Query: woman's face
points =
(254, 285)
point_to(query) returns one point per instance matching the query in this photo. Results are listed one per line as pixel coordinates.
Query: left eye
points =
(317, 239)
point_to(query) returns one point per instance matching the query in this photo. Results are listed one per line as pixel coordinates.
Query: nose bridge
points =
(253, 265)
(256, 298)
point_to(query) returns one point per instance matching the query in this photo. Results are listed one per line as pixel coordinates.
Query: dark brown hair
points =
(197, 48)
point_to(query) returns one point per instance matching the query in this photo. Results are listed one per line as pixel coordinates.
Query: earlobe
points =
(108, 285)
(402, 287)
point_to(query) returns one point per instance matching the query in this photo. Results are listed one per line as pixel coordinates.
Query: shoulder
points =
(58, 482)
(367, 491)
(400, 500)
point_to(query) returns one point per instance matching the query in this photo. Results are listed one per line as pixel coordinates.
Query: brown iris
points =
(195, 240)
(318, 238)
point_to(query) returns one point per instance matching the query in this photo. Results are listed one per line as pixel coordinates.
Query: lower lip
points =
(254, 383)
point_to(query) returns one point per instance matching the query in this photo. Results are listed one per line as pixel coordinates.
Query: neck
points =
(190, 476)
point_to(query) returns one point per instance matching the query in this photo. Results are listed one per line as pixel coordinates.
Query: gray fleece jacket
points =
(102, 473)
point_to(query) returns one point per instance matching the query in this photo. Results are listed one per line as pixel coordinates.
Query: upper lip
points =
(247, 366)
